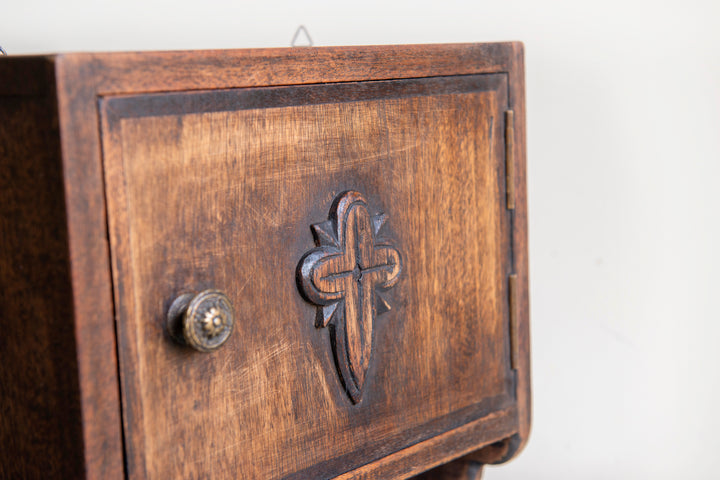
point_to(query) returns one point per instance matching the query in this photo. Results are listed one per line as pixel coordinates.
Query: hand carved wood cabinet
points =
(303, 263)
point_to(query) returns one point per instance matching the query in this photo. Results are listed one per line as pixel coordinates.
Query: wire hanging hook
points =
(301, 29)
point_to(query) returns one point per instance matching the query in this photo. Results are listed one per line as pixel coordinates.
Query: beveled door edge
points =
(440, 449)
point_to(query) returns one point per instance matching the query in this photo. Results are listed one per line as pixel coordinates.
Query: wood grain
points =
(89, 261)
(344, 275)
(438, 450)
(61, 412)
(427, 152)
(136, 72)
(516, 78)
(40, 424)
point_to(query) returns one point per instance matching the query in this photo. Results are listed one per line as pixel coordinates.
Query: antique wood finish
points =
(255, 164)
(167, 148)
(344, 276)
(40, 425)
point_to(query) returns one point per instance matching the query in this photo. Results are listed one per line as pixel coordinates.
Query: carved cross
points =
(344, 276)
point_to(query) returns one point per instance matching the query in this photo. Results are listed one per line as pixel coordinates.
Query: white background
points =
(624, 158)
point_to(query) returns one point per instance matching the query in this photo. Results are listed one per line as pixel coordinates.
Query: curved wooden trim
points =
(440, 449)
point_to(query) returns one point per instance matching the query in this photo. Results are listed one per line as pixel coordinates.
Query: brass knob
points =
(203, 321)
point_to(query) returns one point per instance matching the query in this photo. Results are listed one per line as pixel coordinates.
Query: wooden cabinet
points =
(341, 231)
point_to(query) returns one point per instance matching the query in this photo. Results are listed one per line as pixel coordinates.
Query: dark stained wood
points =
(208, 169)
(254, 176)
(455, 470)
(469, 467)
(344, 275)
(494, 453)
(117, 73)
(435, 451)
(516, 78)
(517, 442)
(91, 281)
(40, 425)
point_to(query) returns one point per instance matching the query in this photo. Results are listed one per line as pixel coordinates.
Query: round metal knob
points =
(203, 321)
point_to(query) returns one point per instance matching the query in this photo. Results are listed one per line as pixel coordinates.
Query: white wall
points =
(624, 158)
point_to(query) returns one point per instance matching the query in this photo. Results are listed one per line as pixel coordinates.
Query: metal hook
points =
(301, 28)
(2, 51)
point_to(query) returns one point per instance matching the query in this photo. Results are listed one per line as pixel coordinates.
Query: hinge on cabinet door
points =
(514, 327)
(510, 158)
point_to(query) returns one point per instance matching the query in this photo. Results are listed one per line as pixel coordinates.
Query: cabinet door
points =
(360, 232)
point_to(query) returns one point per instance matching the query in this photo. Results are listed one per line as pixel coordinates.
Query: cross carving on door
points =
(344, 276)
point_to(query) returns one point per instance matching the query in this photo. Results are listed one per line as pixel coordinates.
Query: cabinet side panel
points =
(520, 248)
(90, 267)
(40, 426)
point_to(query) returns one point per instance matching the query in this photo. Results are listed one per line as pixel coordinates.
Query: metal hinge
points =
(510, 158)
(514, 327)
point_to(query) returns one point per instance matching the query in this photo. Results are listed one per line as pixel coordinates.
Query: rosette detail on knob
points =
(203, 321)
